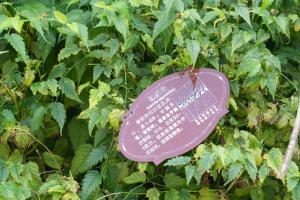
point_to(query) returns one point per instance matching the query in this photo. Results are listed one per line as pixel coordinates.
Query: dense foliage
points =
(71, 68)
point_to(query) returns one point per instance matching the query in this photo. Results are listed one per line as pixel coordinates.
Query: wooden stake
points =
(292, 144)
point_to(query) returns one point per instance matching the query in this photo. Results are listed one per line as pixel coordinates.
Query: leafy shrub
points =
(70, 69)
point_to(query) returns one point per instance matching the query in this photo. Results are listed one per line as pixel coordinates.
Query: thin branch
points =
(291, 146)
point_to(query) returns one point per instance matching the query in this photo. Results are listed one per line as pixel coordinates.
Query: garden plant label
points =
(174, 115)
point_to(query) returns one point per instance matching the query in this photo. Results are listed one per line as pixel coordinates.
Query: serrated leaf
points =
(172, 195)
(284, 26)
(67, 87)
(37, 119)
(17, 42)
(274, 159)
(163, 22)
(237, 41)
(136, 177)
(189, 173)
(292, 176)
(99, 69)
(225, 30)
(96, 155)
(68, 51)
(251, 167)
(90, 183)
(262, 36)
(52, 160)
(80, 30)
(11, 22)
(81, 154)
(58, 112)
(263, 172)
(153, 194)
(272, 80)
(233, 172)
(243, 11)
(193, 47)
(60, 17)
(115, 117)
(77, 132)
(180, 160)
(250, 63)
(172, 180)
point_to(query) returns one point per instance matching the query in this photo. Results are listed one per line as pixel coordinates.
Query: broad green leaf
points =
(263, 172)
(17, 42)
(189, 172)
(23, 139)
(172, 195)
(233, 172)
(283, 24)
(262, 36)
(3, 171)
(153, 194)
(90, 183)
(272, 81)
(172, 180)
(250, 63)
(96, 95)
(292, 176)
(164, 21)
(81, 155)
(251, 167)
(180, 160)
(243, 11)
(37, 118)
(95, 156)
(77, 132)
(68, 51)
(122, 25)
(115, 117)
(57, 71)
(60, 17)
(80, 30)
(11, 22)
(237, 41)
(58, 112)
(296, 192)
(274, 159)
(14, 191)
(193, 47)
(136, 177)
(99, 69)
(52, 160)
(225, 30)
(67, 87)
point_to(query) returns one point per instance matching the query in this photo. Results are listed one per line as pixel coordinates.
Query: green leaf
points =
(67, 87)
(153, 194)
(14, 191)
(115, 118)
(274, 159)
(171, 180)
(272, 81)
(122, 25)
(189, 173)
(172, 195)
(296, 193)
(164, 21)
(292, 176)
(90, 183)
(96, 155)
(96, 95)
(237, 41)
(250, 63)
(284, 26)
(11, 22)
(23, 139)
(136, 177)
(68, 51)
(180, 160)
(243, 11)
(193, 47)
(57, 71)
(60, 17)
(17, 42)
(58, 112)
(233, 172)
(263, 172)
(37, 119)
(52, 160)
(81, 155)
(207, 160)
(77, 132)
(80, 30)
(251, 167)
(99, 69)
(225, 30)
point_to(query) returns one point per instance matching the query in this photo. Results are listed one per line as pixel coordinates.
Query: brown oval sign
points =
(174, 115)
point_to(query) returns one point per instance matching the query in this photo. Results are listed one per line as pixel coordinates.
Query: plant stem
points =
(291, 146)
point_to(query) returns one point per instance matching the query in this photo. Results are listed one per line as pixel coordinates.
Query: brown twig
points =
(291, 146)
